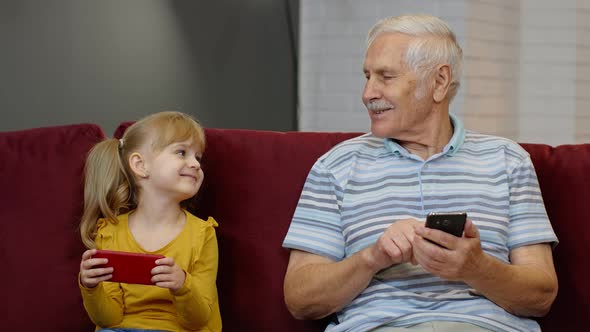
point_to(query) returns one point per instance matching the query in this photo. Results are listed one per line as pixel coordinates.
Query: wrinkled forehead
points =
(387, 49)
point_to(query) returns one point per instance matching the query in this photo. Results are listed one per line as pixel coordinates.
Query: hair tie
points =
(120, 143)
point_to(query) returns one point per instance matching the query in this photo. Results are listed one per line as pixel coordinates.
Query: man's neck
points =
(431, 142)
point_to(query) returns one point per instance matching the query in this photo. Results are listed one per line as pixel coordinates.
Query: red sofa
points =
(252, 183)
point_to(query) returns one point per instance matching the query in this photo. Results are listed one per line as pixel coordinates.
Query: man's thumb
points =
(470, 229)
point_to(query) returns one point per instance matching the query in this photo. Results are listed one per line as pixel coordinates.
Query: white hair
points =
(436, 44)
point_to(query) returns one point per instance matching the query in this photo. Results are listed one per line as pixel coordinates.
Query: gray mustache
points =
(377, 105)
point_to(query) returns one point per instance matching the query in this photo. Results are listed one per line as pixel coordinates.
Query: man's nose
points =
(371, 91)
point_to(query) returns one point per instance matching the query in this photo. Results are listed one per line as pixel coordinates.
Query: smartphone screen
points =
(450, 222)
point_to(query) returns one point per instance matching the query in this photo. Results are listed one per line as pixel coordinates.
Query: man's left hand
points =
(455, 258)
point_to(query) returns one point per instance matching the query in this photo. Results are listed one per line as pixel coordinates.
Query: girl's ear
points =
(138, 165)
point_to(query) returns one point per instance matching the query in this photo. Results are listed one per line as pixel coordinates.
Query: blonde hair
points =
(110, 187)
(436, 44)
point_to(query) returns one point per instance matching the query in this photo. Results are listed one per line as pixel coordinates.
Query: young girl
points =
(133, 197)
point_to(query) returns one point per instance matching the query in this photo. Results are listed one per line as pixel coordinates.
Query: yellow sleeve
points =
(195, 300)
(103, 303)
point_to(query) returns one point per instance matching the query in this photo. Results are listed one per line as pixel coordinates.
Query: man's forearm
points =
(316, 290)
(526, 290)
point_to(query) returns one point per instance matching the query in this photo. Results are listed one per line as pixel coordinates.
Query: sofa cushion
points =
(564, 177)
(41, 190)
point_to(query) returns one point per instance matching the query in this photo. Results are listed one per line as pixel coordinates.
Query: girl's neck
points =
(154, 214)
(153, 226)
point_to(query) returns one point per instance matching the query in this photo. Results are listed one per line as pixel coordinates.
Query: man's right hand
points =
(394, 246)
(315, 286)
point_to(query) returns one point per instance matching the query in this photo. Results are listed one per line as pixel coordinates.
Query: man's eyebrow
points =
(382, 69)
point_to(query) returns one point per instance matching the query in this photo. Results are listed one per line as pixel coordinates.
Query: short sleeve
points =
(529, 223)
(316, 224)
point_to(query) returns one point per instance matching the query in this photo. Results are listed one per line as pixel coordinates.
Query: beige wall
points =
(583, 73)
(491, 67)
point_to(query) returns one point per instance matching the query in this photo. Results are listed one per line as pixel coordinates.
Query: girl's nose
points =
(194, 163)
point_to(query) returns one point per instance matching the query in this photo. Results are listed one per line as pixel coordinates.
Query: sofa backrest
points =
(253, 180)
(41, 199)
(252, 183)
(564, 177)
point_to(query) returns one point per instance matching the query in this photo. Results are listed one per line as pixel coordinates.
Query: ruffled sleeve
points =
(196, 301)
(104, 234)
(104, 303)
(212, 222)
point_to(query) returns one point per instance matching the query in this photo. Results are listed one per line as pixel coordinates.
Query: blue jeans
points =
(128, 330)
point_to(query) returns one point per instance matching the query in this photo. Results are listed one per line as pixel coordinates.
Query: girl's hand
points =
(90, 275)
(168, 275)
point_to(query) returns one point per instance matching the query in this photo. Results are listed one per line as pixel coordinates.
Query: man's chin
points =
(381, 132)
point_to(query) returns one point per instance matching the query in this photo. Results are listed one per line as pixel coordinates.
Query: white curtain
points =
(526, 64)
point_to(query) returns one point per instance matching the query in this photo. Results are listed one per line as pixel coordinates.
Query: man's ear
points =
(442, 82)
(138, 165)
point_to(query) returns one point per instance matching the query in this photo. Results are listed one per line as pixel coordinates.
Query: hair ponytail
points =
(107, 189)
(110, 188)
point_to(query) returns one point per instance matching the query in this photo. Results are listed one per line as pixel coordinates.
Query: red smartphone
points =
(129, 267)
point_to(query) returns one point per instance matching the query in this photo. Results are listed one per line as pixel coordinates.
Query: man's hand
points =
(394, 246)
(460, 259)
(527, 286)
(316, 286)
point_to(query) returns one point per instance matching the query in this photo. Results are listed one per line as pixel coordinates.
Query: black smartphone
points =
(450, 222)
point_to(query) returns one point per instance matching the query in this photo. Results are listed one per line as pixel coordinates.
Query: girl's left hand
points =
(167, 274)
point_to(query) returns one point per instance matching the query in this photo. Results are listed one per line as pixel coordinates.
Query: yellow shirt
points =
(193, 308)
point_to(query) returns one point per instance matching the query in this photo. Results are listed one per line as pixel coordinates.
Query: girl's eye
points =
(181, 152)
(198, 157)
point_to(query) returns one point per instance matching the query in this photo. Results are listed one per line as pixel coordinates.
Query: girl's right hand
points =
(90, 275)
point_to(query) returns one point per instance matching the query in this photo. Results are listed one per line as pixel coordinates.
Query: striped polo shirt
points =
(361, 186)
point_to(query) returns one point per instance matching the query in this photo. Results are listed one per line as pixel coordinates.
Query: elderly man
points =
(359, 247)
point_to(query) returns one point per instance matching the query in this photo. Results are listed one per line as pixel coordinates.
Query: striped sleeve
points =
(529, 223)
(316, 224)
